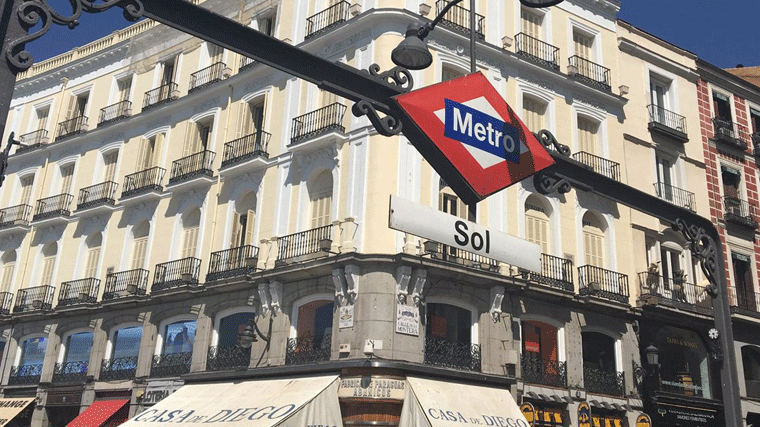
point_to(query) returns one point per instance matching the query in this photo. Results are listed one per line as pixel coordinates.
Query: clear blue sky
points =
(723, 32)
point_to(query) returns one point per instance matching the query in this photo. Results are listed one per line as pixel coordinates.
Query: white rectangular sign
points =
(449, 230)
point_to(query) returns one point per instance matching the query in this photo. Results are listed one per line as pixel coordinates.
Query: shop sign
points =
(10, 408)
(372, 387)
(156, 391)
(584, 415)
(528, 411)
(64, 398)
(408, 320)
(643, 420)
(346, 319)
(687, 416)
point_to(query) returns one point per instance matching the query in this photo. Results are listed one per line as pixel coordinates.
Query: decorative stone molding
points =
(352, 282)
(403, 276)
(339, 281)
(497, 296)
(265, 301)
(348, 231)
(275, 293)
(346, 281)
(425, 9)
(419, 278)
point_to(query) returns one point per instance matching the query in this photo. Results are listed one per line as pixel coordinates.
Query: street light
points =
(250, 334)
(653, 355)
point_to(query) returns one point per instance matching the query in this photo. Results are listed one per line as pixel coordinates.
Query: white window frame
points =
(65, 338)
(110, 344)
(225, 313)
(166, 322)
(305, 300)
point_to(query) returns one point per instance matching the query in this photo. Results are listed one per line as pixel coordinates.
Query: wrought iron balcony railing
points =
(310, 349)
(227, 357)
(70, 372)
(676, 196)
(744, 301)
(306, 243)
(98, 194)
(125, 283)
(537, 51)
(120, 368)
(599, 165)
(32, 140)
(174, 274)
(603, 283)
(451, 354)
(662, 119)
(207, 76)
(459, 256)
(246, 63)
(59, 205)
(326, 119)
(589, 72)
(6, 301)
(160, 95)
(171, 364)
(115, 112)
(596, 380)
(194, 165)
(458, 19)
(71, 127)
(326, 19)
(82, 291)
(25, 374)
(143, 182)
(535, 370)
(555, 272)
(739, 211)
(15, 215)
(732, 134)
(673, 291)
(36, 298)
(247, 147)
(233, 262)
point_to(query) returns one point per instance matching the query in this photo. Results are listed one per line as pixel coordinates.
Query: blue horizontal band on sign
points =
(482, 131)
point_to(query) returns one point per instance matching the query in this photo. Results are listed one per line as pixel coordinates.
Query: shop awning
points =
(295, 402)
(98, 413)
(431, 403)
(10, 407)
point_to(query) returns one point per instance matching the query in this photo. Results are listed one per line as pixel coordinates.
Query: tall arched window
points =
(190, 226)
(587, 135)
(140, 244)
(313, 340)
(537, 223)
(751, 364)
(49, 252)
(448, 337)
(75, 358)
(320, 195)
(600, 373)
(243, 221)
(227, 353)
(124, 350)
(593, 240)
(94, 243)
(28, 369)
(178, 337)
(9, 266)
(540, 362)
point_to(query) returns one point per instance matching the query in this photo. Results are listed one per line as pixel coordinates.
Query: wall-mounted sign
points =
(408, 320)
(528, 411)
(584, 415)
(643, 420)
(346, 319)
(372, 387)
(156, 391)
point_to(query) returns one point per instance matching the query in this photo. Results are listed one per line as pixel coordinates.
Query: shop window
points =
(231, 326)
(179, 337)
(126, 343)
(542, 414)
(78, 348)
(33, 351)
(751, 364)
(684, 362)
(315, 319)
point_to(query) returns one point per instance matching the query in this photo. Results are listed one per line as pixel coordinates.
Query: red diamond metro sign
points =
(471, 137)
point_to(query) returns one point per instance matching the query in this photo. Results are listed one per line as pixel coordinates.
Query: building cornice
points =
(728, 81)
(632, 48)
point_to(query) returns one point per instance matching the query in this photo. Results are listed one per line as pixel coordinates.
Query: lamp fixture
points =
(653, 355)
(250, 334)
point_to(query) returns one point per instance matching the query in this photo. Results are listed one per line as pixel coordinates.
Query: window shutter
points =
(124, 87)
(536, 231)
(215, 53)
(138, 252)
(189, 242)
(47, 271)
(249, 221)
(42, 118)
(26, 190)
(236, 230)
(531, 24)
(593, 245)
(71, 110)
(93, 256)
(582, 45)
(157, 146)
(192, 138)
(7, 277)
(586, 135)
(67, 174)
(320, 210)
(328, 98)
(533, 114)
(110, 166)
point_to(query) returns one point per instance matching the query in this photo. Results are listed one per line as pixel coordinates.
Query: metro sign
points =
(471, 137)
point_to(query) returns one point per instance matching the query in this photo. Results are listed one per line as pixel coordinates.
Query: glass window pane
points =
(33, 351)
(78, 347)
(127, 342)
(231, 326)
(179, 336)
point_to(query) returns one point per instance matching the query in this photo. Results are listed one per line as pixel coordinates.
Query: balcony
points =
(161, 95)
(326, 19)
(676, 196)
(319, 122)
(310, 349)
(235, 262)
(598, 164)
(53, 206)
(208, 76)
(555, 272)
(461, 257)
(76, 292)
(246, 63)
(458, 19)
(171, 364)
(193, 166)
(603, 283)
(248, 147)
(175, 274)
(97, 195)
(537, 51)
(755, 144)
(535, 370)
(143, 182)
(70, 372)
(744, 302)
(739, 212)
(6, 301)
(667, 123)
(32, 140)
(115, 112)
(25, 375)
(118, 369)
(71, 127)
(599, 381)
(34, 299)
(228, 357)
(732, 134)
(304, 246)
(15, 216)
(673, 292)
(453, 355)
(589, 72)
(125, 284)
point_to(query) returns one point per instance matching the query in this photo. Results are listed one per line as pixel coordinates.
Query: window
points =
(33, 351)
(179, 337)
(731, 178)
(150, 152)
(140, 244)
(664, 178)
(540, 362)
(9, 266)
(448, 73)
(530, 23)
(593, 240)
(266, 24)
(231, 326)
(26, 189)
(751, 364)
(78, 348)
(251, 119)
(126, 343)
(109, 162)
(672, 271)
(743, 283)
(94, 242)
(327, 98)
(536, 223)
(754, 119)
(67, 175)
(168, 69)
(587, 135)
(533, 113)
(598, 352)
(215, 53)
(448, 323)
(123, 89)
(320, 195)
(49, 252)
(722, 106)
(42, 117)
(77, 105)
(198, 138)
(658, 90)
(315, 321)
(190, 226)
(449, 203)
(684, 365)
(582, 45)
(243, 221)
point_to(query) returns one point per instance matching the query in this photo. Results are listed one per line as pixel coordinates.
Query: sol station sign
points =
(471, 137)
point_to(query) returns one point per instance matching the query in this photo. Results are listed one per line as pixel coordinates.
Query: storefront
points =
(63, 404)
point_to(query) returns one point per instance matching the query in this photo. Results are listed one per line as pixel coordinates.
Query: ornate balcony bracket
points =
(346, 281)
(497, 296)
(547, 182)
(397, 76)
(387, 126)
(410, 282)
(703, 247)
(403, 276)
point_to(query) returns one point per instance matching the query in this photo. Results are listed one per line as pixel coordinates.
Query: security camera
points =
(369, 348)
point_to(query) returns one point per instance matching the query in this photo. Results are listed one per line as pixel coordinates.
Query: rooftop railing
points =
(160, 95)
(732, 134)
(232, 262)
(603, 283)
(739, 212)
(71, 127)
(323, 120)
(227, 357)
(326, 19)
(15, 215)
(70, 372)
(555, 272)
(451, 354)
(98, 194)
(82, 291)
(676, 196)
(537, 51)
(125, 283)
(662, 119)
(174, 274)
(120, 368)
(310, 349)
(35, 298)
(673, 291)
(207, 76)
(535, 370)
(247, 147)
(589, 72)
(32, 140)
(143, 182)
(115, 112)
(59, 205)
(458, 19)
(599, 165)
(303, 244)
(194, 165)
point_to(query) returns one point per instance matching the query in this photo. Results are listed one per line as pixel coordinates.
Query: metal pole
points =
(11, 29)
(472, 36)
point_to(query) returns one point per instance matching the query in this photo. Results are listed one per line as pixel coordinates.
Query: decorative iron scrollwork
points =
(547, 182)
(716, 350)
(550, 142)
(397, 76)
(703, 247)
(386, 126)
(33, 12)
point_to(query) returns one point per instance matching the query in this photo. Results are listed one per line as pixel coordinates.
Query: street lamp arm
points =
(429, 27)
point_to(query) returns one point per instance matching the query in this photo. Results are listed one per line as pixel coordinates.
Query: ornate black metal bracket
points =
(4, 156)
(386, 126)
(547, 182)
(703, 247)
(397, 76)
(33, 12)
